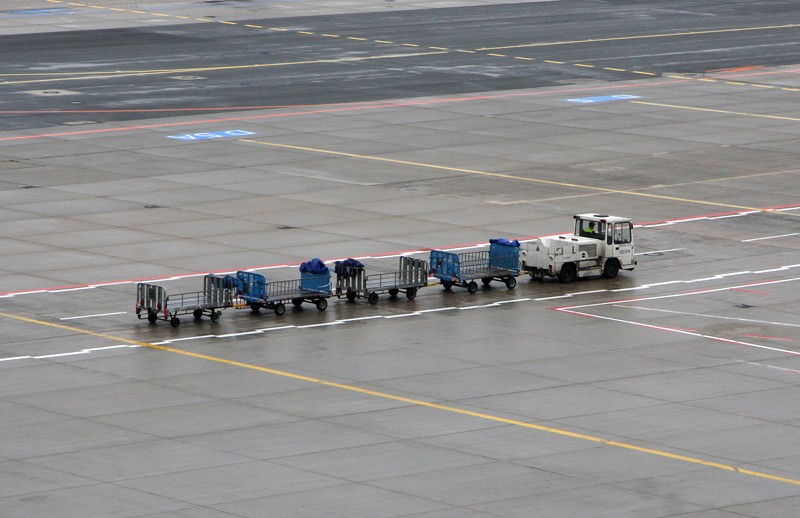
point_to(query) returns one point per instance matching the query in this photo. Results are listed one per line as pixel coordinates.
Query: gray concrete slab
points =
(666, 391)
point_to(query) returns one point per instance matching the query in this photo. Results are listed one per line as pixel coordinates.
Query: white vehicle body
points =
(600, 245)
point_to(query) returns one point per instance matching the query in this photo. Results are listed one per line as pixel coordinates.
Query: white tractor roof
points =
(601, 217)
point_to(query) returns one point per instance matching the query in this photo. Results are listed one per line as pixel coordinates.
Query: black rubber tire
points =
(447, 285)
(297, 302)
(255, 308)
(373, 298)
(411, 293)
(197, 313)
(279, 309)
(611, 269)
(215, 316)
(486, 281)
(393, 292)
(152, 317)
(321, 304)
(472, 287)
(351, 295)
(175, 322)
(568, 273)
(511, 282)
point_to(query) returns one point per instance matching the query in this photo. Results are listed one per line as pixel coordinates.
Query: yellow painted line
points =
(254, 26)
(502, 175)
(791, 89)
(615, 69)
(526, 59)
(307, 32)
(554, 62)
(707, 80)
(643, 73)
(204, 20)
(713, 110)
(282, 29)
(761, 86)
(410, 401)
(384, 41)
(643, 36)
(409, 45)
(228, 23)
(137, 12)
(466, 51)
(435, 48)
(325, 35)
(356, 38)
(734, 83)
(107, 75)
(97, 7)
(583, 65)
(124, 10)
(497, 55)
(183, 17)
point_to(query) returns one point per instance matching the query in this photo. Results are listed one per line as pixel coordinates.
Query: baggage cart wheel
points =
(255, 308)
(297, 302)
(411, 293)
(472, 287)
(373, 298)
(215, 316)
(152, 317)
(511, 282)
(279, 308)
(175, 322)
(197, 313)
(322, 304)
(486, 281)
(351, 295)
(393, 292)
(447, 285)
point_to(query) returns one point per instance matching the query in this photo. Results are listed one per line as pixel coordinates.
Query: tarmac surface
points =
(373, 130)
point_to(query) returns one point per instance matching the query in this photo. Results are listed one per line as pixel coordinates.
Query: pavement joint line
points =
(416, 402)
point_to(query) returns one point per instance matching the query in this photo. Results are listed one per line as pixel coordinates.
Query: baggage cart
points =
(499, 263)
(352, 280)
(256, 292)
(153, 301)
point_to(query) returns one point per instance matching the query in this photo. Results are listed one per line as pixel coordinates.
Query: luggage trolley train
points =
(247, 289)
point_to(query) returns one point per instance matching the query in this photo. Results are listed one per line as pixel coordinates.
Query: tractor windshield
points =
(590, 228)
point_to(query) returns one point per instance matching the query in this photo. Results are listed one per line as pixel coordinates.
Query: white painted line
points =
(74, 353)
(361, 318)
(660, 251)
(739, 215)
(464, 308)
(682, 331)
(770, 237)
(95, 315)
(96, 349)
(719, 317)
(73, 289)
(335, 323)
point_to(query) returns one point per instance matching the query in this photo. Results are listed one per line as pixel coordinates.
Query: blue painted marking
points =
(39, 11)
(602, 99)
(213, 134)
